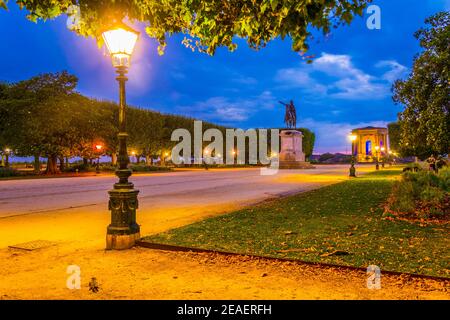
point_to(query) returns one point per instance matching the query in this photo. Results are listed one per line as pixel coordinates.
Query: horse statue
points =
(290, 118)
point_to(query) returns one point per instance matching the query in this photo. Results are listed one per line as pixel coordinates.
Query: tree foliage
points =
(207, 25)
(425, 121)
(45, 117)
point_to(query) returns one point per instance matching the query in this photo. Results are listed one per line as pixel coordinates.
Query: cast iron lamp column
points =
(123, 231)
(7, 154)
(352, 170)
(382, 156)
(377, 165)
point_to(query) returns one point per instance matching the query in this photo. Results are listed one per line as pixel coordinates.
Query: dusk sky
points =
(347, 86)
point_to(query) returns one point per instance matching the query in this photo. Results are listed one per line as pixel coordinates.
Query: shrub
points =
(420, 195)
(444, 179)
(401, 199)
(143, 168)
(8, 172)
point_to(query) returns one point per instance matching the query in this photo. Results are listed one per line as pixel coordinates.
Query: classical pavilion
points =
(370, 143)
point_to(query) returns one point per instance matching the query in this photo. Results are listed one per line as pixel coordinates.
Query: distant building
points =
(367, 139)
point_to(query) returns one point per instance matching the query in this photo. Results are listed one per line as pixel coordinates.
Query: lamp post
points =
(377, 150)
(99, 149)
(382, 156)
(123, 231)
(352, 170)
(7, 153)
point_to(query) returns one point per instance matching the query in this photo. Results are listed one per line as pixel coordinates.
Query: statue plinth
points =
(291, 154)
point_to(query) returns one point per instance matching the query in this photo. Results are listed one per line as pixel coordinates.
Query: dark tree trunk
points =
(62, 164)
(113, 158)
(91, 161)
(138, 159)
(163, 160)
(52, 165)
(37, 164)
(148, 160)
(7, 160)
(85, 162)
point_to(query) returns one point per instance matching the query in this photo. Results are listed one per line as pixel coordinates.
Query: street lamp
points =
(377, 150)
(123, 231)
(7, 154)
(352, 170)
(99, 148)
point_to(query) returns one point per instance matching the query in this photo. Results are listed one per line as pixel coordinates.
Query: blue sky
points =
(347, 86)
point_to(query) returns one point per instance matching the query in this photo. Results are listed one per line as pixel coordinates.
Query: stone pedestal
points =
(291, 154)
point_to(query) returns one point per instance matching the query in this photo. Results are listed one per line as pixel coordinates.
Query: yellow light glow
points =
(120, 43)
(133, 153)
(274, 154)
(352, 137)
(382, 149)
(166, 154)
(377, 148)
(7, 150)
(99, 147)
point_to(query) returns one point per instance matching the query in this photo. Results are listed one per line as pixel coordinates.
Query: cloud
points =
(335, 76)
(227, 110)
(333, 136)
(245, 80)
(395, 70)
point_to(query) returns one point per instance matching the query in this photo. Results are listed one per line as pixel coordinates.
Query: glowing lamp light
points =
(133, 153)
(7, 150)
(382, 149)
(120, 42)
(352, 137)
(99, 147)
(377, 148)
(166, 154)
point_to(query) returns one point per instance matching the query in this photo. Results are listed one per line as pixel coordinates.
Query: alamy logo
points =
(74, 279)
(374, 277)
(374, 20)
(230, 153)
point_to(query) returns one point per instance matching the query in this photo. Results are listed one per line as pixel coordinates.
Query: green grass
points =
(344, 216)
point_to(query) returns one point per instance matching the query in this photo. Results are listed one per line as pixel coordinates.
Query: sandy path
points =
(40, 209)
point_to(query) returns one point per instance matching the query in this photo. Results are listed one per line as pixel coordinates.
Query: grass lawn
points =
(344, 217)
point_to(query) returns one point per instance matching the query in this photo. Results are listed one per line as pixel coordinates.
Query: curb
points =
(167, 247)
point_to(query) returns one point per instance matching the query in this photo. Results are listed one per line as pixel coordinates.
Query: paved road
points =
(233, 186)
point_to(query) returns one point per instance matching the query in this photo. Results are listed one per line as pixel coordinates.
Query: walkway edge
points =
(168, 247)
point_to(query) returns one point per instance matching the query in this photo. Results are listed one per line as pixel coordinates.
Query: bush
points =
(402, 197)
(444, 179)
(143, 168)
(8, 172)
(420, 195)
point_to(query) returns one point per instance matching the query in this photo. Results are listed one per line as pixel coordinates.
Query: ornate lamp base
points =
(123, 231)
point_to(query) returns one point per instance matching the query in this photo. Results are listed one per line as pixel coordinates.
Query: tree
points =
(32, 112)
(206, 24)
(395, 137)
(425, 121)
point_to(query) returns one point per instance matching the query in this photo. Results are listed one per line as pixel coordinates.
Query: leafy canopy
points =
(425, 121)
(206, 24)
